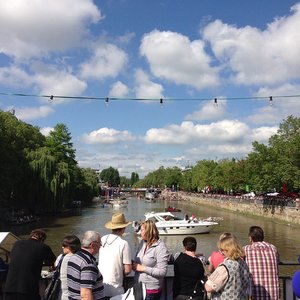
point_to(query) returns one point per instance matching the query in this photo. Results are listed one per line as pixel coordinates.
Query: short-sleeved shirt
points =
(262, 259)
(216, 258)
(83, 272)
(115, 253)
(188, 276)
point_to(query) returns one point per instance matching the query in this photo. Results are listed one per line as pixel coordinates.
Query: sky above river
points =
(143, 84)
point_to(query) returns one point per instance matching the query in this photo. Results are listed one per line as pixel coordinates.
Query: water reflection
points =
(285, 238)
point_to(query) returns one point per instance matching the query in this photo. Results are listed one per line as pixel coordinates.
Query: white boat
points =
(119, 203)
(169, 224)
(150, 197)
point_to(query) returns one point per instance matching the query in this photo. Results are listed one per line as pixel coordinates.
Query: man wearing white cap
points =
(115, 256)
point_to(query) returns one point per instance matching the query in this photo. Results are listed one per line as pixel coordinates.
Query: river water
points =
(284, 237)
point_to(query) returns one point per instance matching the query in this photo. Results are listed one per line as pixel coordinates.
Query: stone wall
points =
(290, 215)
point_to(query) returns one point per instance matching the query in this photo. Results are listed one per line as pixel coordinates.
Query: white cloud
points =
(219, 132)
(33, 113)
(107, 136)
(281, 106)
(209, 111)
(145, 88)
(107, 61)
(14, 76)
(53, 81)
(45, 79)
(32, 28)
(46, 130)
(255, 56)
(262, 134)
(172, 56)
(118, 90)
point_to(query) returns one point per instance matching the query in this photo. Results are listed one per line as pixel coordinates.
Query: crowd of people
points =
(95, 267)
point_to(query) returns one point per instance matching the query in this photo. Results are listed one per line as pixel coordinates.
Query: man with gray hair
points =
(84, 278)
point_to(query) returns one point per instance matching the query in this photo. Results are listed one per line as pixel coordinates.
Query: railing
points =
(286, 290)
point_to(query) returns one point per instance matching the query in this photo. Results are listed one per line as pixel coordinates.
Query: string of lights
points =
(160, 100)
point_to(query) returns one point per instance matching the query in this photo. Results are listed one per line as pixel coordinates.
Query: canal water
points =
(284, 237)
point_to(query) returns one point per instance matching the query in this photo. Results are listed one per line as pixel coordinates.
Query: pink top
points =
(216, 258)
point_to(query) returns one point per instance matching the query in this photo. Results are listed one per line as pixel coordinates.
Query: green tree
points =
(60, 145)
(173, 177)
(134, 178)
(111, 176)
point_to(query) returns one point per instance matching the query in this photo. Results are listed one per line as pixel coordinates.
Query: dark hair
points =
(38, 234)
(256, 233)
(72, 242)
(189, 243)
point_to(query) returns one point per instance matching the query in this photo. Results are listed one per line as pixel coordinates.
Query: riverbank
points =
(274, 210)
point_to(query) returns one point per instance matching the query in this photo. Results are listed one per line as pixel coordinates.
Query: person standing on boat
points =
(189, 272)
(262, 259)
(27, 258)
(115, 257)
(151, 261)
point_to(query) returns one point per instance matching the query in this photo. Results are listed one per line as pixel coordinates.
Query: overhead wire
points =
(160, 100)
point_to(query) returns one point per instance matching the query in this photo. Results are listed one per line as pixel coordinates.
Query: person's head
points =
(117, 224)
(38, 234)
(91, 241)
(189, 243)
(71, 243)
(223, 235)
(149, 232)
(256, 234)
(230, 247)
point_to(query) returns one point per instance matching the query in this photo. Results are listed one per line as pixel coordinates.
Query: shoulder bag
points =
(53, 289)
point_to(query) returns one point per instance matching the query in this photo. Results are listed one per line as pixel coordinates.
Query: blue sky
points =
(186, 52)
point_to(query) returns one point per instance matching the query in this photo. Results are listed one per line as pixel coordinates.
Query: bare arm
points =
(86, 294)
(127, 269)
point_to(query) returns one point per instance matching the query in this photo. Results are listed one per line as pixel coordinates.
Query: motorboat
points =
(169, 224)
(119, 203)
(149, 196)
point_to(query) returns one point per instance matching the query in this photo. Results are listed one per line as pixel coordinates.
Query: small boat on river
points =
(119, 203)
(169, 224)
(150, 197)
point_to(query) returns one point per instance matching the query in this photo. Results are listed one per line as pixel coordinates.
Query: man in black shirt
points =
(27, 259)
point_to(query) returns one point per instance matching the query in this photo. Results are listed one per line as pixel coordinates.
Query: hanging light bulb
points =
(271, 101)
(161, 101)
(215, 102)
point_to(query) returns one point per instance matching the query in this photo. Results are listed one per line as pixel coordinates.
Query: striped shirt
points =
(84, 273)
(262, 259)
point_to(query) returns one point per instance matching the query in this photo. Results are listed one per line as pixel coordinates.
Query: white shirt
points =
(114, 254)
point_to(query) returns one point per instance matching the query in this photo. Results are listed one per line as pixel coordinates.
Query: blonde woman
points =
(217, 257)
(231, 278)
(151, 261)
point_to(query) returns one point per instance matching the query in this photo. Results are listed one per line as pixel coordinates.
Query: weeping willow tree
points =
(40, 175)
